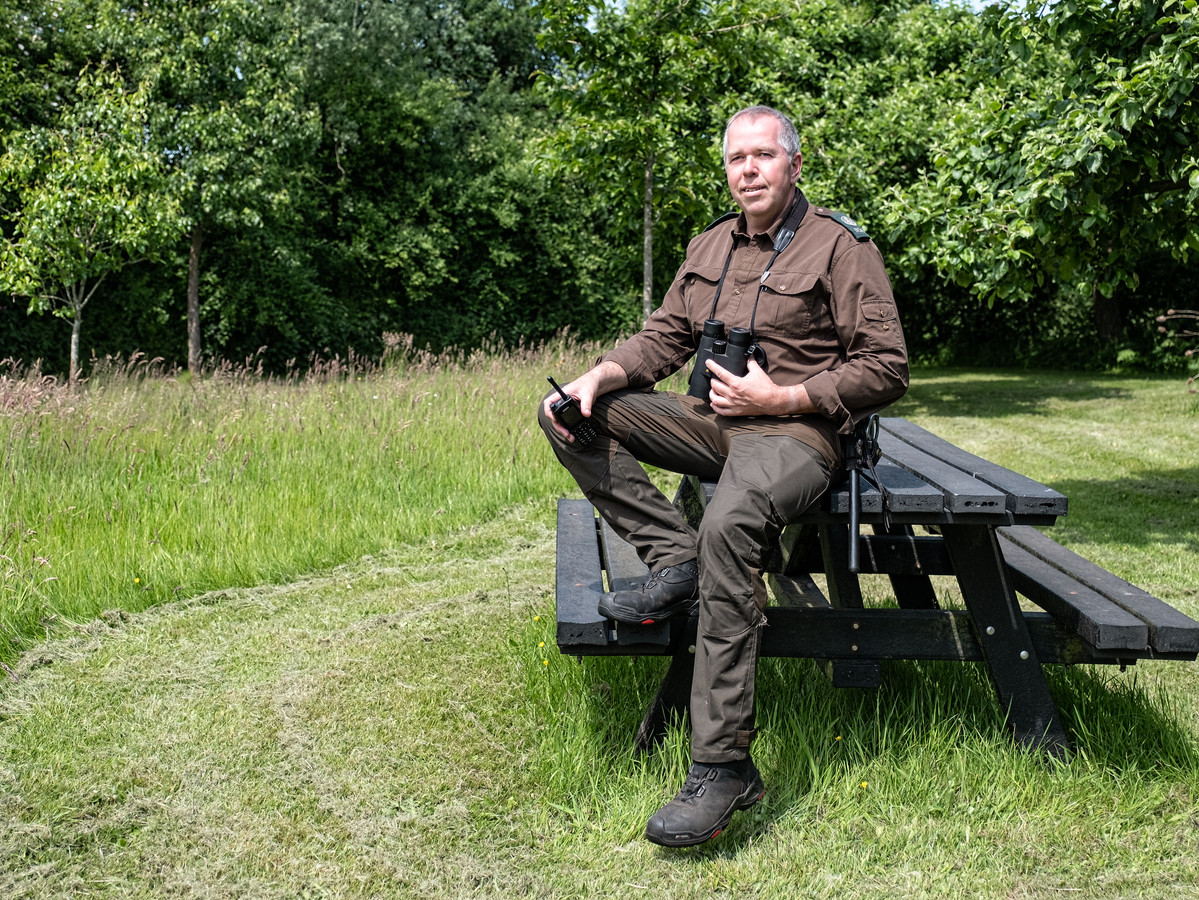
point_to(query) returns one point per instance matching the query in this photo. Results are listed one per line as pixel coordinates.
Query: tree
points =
(43, 48)
(865, 82)
(227, 112)
(431, 219)
(644, 88)
(871, 86)
(91, 199)
(1074, 159)
(868, 84)
(344, 169)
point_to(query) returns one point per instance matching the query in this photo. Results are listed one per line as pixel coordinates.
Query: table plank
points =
(907, 492)
(1025, 496)
(962, 492)
(1091, 615)
(1170, 630)
(818, 632)
(579, 576)
(624, 567)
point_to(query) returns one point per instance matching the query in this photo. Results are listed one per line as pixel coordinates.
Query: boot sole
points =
(633, 617)
(745, 801)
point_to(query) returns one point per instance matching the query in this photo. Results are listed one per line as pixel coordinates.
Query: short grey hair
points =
(788, 136)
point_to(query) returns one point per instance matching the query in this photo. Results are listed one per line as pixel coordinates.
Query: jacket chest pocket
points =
(790, 304)
(698, 286)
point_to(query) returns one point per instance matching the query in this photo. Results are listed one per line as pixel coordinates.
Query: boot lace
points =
(655, 577)
(695, 784)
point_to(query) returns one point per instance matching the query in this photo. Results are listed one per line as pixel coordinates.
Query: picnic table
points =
(934, 510)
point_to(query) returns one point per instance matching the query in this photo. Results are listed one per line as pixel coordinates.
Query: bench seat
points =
(1107, 611)
(976, 522)
(1079, 624)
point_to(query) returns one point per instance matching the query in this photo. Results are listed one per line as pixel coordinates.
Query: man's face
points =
(761, 176)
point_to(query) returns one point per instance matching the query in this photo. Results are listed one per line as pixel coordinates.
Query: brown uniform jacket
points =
(826, 317)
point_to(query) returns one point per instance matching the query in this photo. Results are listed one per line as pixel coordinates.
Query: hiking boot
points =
(704, 806)
(668, 592)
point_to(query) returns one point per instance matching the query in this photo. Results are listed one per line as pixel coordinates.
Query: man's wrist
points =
(797, 401)
(609, 376)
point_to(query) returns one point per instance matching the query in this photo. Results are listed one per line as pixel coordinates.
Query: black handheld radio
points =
(568, 413)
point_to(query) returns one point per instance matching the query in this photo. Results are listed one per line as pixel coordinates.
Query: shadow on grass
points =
(980, 394)
(1110, 719)
(1117, 724)
(619, 693)
(925, 722)
(1137, 510)
(591, 713)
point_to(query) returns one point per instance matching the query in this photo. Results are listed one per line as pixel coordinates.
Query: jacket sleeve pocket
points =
(879, 309)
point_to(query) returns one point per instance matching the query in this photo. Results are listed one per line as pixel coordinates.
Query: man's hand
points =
(607, 376)
(755, 394)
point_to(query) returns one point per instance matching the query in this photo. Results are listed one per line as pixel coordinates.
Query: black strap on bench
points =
(862, 449)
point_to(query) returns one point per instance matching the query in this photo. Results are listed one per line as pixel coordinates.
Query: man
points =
(821, 310)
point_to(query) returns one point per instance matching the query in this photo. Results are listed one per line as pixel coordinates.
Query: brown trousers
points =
(767, 476)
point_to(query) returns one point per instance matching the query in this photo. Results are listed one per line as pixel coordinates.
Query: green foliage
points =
(420, 211)
(1073, 159)
(227, 113)
(642, 90)
(865, 83)
(476, 168)
(90, 199)
(90, 194)
(352, 169)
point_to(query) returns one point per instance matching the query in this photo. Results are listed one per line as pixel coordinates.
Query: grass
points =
(349, 688)
(141, 488)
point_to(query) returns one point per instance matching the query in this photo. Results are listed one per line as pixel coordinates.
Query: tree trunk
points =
(1106, 313)
(76, 324)
(647, 227)
(193, 300)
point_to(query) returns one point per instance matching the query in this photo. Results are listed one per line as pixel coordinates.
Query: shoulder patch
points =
(844, 221)
(724, 218)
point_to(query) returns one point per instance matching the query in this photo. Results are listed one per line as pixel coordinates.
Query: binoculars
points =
(731, 351)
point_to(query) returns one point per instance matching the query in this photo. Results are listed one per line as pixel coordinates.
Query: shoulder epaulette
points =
(724, 218)
(844, 221)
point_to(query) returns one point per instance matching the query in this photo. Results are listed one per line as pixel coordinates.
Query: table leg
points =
(912, 591)
(844, 592)
(674, 693)
(1004, 638)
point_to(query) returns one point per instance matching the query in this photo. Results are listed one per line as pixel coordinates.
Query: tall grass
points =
(145, 485)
